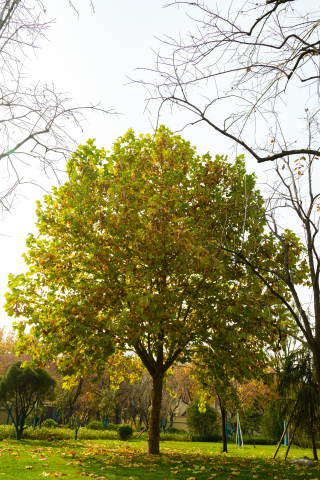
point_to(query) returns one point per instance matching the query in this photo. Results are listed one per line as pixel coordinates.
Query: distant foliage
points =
(124, 431)
(272, 422)
(202, 423)
(95, 425)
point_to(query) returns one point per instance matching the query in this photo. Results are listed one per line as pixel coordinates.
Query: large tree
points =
(128, 257)
(248, 71)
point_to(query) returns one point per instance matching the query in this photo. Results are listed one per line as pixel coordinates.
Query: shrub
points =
(124, 431)
(112, 426)
(49, 423)
(95, 425)
(177, 431)
(255, 440)
(202, 423)
(193, 437)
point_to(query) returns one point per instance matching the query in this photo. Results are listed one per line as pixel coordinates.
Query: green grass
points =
(112, 460)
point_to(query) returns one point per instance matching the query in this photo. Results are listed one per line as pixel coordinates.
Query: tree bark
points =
(314, 449)
(75, 398)
(154, 425)
(224, 436)
(223, 422)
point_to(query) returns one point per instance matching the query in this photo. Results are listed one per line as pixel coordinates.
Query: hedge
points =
(7, 431)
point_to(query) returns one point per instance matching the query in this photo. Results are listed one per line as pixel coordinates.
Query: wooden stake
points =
(293, 433)
(285, 430)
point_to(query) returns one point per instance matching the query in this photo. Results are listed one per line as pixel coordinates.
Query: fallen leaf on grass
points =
(44, 474)
(191, 478)
(28, 467)
(212, 477)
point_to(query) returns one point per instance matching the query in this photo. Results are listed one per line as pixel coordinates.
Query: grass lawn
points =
(110, 460)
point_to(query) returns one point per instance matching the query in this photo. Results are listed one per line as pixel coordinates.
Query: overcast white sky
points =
(90, 57)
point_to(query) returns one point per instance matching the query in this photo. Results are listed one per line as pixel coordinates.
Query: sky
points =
(93, 56)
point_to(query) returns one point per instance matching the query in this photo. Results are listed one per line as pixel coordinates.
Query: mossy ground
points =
(128, 461)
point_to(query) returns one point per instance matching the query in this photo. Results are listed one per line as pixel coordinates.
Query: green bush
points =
(49, 423)
(193, 437)
(202, 423)
(112, 426)
(7, 431)
(124, 431)
(255, 440)
(95, 425)
(177, 431)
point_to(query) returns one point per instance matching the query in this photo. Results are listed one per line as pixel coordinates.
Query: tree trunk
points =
(314, 449)
(154, 422)
(224, 435)
(223, 422)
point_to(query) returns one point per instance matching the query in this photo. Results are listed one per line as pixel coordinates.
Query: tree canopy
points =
(128, 257)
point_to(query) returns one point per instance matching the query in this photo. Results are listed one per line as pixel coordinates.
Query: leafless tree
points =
(249, 71)
(35, 119)
(141, 395)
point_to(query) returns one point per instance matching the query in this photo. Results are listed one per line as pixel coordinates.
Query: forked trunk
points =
(154, 425)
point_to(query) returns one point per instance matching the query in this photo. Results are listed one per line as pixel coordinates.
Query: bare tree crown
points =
(35, 119)
(243, 73)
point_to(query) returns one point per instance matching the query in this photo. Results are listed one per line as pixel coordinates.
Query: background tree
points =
(82, 411)
(66, 396)
(35, 118)
(141, 396)
(128, 257)
(202, 422)
(183, 383)
(241, 70)
(219, 367)
(272, 421)
(8, 348)
(292, 274)
(21, 389)
(107, 405)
